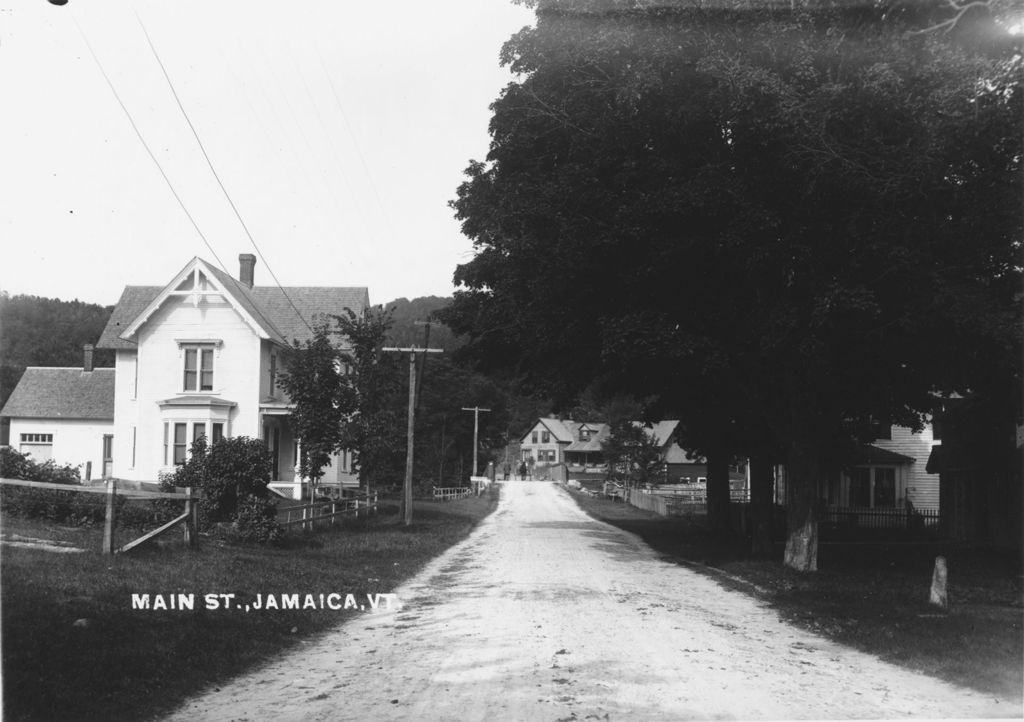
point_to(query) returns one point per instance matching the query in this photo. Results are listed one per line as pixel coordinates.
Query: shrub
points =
(63, 507)
(16, 465)
(233, 475)
(257, 520)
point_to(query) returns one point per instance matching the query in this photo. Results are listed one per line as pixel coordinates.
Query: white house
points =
(578, 443)
(199, 356)
(65, 415)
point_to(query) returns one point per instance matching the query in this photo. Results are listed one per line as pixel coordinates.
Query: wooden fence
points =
(882, 518)
(928, 521)
(308, 515)
(188, 519)
(450, 493)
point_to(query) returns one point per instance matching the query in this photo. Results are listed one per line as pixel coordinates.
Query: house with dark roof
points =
(199, 357)
(65, 415)
(888, 473)
(577, 444)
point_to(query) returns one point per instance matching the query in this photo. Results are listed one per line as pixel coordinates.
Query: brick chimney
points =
(87, 360)
(246, 268)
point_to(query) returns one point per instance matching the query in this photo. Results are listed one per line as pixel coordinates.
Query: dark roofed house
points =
(65, 415)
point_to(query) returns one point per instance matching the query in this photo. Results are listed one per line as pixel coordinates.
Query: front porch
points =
(285, 449)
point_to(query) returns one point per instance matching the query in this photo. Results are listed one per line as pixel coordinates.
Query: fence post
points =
(189, 529)
(108, 523)
(333, 504)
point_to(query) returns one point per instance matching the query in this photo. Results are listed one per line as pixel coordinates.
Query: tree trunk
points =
(802, 487)
(762, 507)
(718, 493)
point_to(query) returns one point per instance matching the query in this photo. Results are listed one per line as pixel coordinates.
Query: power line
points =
(145, 145)
(213, 170)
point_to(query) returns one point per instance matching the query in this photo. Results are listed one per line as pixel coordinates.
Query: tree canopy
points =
(778, 222)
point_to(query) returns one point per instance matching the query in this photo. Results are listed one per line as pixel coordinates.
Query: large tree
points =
(784, 220)
(343, 392)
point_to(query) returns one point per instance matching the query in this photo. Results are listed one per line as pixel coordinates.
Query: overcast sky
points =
(339, 129)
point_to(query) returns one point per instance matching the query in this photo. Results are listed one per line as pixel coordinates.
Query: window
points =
(533, 437)
(873, 486)
(881, 430)
(885, 487)
(198, 369)
(860, 487)
(40, 446)
(198, 432)
(545, 437)
(273, 373)
(584, 434)
(218, 432)
(108, 455)
(180, 443)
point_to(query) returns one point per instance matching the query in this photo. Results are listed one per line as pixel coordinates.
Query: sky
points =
(340, 131)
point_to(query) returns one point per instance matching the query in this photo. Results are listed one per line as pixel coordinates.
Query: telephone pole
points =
(412, 351)
(476, 426)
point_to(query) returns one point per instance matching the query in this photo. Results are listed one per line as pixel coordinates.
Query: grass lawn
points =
(870, 596)
(125, 664)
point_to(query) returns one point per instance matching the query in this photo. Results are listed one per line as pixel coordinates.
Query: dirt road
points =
(546, 614)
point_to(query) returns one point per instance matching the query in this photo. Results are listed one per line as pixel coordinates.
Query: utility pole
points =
(412, 351)
(476, 427)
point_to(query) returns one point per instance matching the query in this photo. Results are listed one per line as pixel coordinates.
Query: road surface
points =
(545, 614)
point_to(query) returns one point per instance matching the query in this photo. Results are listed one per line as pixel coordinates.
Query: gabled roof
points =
(593, 444)
(871, 454)
(561, 430)
(266, 307)
(661, 431)
(62, 393)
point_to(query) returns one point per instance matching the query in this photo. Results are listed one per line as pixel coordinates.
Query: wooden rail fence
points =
(188, 519)
(450, 493)
(319, 511)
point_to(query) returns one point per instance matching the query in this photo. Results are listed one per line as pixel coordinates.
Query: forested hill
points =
(406, 313)
(37, 331)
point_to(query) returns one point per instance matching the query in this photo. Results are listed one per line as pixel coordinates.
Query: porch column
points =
(298, 467)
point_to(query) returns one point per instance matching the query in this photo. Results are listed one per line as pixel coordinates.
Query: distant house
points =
(547, 441)
(65, 415)
(577, 445)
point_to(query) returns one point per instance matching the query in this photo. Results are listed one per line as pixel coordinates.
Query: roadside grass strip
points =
(74, 648)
